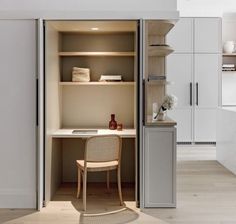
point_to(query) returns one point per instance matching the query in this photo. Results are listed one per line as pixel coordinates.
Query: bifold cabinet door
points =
(18, 114)
(180, 38)
(159, 167)
(207, 35)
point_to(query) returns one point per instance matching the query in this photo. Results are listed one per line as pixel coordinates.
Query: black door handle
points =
(191, 94)
(197, 93)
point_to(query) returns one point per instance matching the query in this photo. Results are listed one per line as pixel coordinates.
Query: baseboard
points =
(17, 198)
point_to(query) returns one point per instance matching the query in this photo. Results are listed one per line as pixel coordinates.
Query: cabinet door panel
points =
(159, 166)
(179, 70)
(183, 117)
(207, 35)
(181, 36)
(205, 125)
(18, 113)
(207, 68)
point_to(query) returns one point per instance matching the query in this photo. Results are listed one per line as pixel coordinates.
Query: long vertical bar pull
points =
(191, 93)
(197, 93)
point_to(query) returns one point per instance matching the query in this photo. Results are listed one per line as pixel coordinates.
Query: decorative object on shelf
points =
(110, 78)
(169, 102)
(229, 47)
(154, 111)
(156, 78)
(119, 127)
(112, 123)
(80, 74)
(228, 67)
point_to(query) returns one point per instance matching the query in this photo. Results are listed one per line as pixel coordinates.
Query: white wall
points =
(88, 9)
(205, 7)
(89, 5)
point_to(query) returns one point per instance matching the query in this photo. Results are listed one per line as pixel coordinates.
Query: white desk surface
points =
(67, 133)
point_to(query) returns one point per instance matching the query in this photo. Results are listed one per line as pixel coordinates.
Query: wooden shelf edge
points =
(111, 54)
(96, 83)
(159, 51)
(229, 55)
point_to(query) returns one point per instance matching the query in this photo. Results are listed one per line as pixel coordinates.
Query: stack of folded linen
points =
(80, 74)
(228, 67)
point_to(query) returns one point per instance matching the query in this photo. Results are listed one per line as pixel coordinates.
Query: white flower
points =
(169, 102)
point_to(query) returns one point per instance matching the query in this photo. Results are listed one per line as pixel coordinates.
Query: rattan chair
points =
(102, 153)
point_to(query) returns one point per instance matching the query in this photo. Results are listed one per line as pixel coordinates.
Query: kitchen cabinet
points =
(205, 125)
(206, 72)
(181, 36)
(160, 167)
(196, 80)
(207, 35)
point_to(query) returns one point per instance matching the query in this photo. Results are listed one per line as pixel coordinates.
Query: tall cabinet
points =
(159, 136)
(195, 69)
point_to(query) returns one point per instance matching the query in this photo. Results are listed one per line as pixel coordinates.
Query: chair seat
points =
(98, 166)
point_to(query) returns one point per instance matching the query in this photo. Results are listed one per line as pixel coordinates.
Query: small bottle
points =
(112, 123)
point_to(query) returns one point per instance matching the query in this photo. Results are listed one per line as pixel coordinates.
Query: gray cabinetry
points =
(159, 166)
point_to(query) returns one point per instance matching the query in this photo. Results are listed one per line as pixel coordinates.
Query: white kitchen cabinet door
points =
(207, 69)
(184, 118)
(205, 125)
(180, 71)
(207, 35)
(181, 36)
(159, 167)
(18, 114)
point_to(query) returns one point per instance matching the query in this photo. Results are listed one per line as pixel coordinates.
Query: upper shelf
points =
(160, 28)
(112, 54)
(229, 54)
(159, 50)
(96, 83)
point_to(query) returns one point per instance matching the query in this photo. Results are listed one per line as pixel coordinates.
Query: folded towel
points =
(80, 74)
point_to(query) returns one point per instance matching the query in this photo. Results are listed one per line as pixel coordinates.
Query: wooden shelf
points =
(111, 54)
(229, 55)
(96, 83)
(159, 51)
(160, 28)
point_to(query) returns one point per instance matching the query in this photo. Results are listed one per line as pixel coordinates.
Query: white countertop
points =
(67, 133)
(229, 108)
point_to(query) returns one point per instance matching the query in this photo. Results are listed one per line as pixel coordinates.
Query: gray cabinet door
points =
(18, 114)
(159, 167)
(180, 38)
(207, 35)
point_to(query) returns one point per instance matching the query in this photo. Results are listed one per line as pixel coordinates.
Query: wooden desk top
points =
(67, 133)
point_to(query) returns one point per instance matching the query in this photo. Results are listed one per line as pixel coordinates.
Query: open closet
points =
(105, 48)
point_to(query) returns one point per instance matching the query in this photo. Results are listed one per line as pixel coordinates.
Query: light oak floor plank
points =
(206, 194)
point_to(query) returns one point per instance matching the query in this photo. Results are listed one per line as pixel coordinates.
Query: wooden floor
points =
(206, 195)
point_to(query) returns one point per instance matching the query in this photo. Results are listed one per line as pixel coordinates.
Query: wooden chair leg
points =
(119, 185)
(108, 180)
(79, 183)
(84, 188)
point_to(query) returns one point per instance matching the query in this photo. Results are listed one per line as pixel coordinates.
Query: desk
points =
(67, 133)
(67, 147)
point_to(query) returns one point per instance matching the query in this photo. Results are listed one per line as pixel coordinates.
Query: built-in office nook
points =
(78, 109)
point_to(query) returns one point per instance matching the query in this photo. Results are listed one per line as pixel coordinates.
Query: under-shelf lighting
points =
(94, 28)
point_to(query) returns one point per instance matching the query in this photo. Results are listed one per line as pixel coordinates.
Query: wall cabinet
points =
(181, 36)
(207, 35)
(196, 78)
(160, 167)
